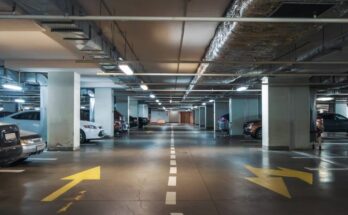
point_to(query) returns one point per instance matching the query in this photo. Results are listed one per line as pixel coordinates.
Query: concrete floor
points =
(215, 175)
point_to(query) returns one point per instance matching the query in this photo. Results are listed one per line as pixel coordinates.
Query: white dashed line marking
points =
(172, 152)
(176, 214)
(171, 198)
(326, 169)
(173, 170)
(12, 171)
(172, 181)
(172, 148)
(173, 162)
(172, 157)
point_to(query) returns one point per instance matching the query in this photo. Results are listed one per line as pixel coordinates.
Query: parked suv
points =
(333, 122)
(10, 145)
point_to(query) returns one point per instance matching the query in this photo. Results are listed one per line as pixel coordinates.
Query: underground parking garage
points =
(173, 107)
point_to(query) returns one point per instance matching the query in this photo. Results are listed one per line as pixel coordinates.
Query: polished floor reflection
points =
(178, 169)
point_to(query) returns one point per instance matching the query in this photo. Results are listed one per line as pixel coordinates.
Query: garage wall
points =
(174, 117)
(143, 110)
(157, 116)
(122, 106)
(242, 110)
(210, 117)
(221, 108)
(133, 108)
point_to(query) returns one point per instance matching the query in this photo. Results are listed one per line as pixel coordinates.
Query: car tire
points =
(82, 136)
(258, 134)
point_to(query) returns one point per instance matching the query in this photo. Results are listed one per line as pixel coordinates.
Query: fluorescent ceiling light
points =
(157, 100)
(152, 96)
(1, 108)
(12, 87)
(170, 101)
(204, 104)
(244, 88)
(126, 69)
(211, 100)
(26, 108)
(160, 103)
(325, 99)
(37, 108)
(19, 100)
(144, 87)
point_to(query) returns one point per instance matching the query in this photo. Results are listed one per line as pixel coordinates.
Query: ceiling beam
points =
(228, 74)
(177, 19)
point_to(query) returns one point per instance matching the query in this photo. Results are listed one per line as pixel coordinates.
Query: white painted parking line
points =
(11, 170)
(172, 152)
(172, 148)
(326, 157)
(172, 157)
(171, 198)
(176, 214)
(318, 157)
(42, 159)
(172, 181)
(326, 169)
(173, 162)
(173, 170)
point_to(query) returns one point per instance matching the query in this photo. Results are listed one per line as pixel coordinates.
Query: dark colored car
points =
(142, 121)
(223, 122)
(133, 122)
(333, 122)
(10, 144)
(253, 128)
(5, 113)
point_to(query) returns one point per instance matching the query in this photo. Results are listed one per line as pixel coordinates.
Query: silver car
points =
(32, 144)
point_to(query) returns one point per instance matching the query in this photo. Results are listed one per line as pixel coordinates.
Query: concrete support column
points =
(104, 109)
(202, 117)
(220, 108)
(63, 111)
(242, 110)
(341, 108)
(209, 116)
(133, 107)
(122, 106)
(197, 117)
(285, 114)
(43, 111)
(143, 110)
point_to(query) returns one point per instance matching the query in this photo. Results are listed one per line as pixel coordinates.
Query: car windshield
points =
(340, 117)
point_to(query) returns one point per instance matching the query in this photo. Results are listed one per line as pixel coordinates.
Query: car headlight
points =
(90, 126)
(27, 142)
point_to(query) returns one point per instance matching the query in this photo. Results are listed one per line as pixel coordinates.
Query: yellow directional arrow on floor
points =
(272, 179)
(90, 174)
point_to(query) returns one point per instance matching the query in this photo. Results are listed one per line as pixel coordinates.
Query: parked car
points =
(333, 122)
(32, 144)
(120, 125)
(142, 121)
(10, 145)
(5, 113)
(30, 121)
(133, 121)
(253, 128)
(223, 122)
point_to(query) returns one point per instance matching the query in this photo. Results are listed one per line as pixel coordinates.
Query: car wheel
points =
(258, 134)
(82, 136)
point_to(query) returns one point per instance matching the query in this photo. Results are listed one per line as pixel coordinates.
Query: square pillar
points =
(197, 117)
(122, 106)
(285, 114)
(202, 117)
(209, 116)
(220, 108)
(63, 111)
(242, 110)
(104, 109)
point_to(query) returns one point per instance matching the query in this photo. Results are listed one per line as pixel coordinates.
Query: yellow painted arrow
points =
(272, 179)
(90, 174)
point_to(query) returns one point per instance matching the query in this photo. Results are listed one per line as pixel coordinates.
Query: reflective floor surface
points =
(178, 169)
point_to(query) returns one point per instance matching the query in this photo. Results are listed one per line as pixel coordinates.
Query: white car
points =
(30, 121)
